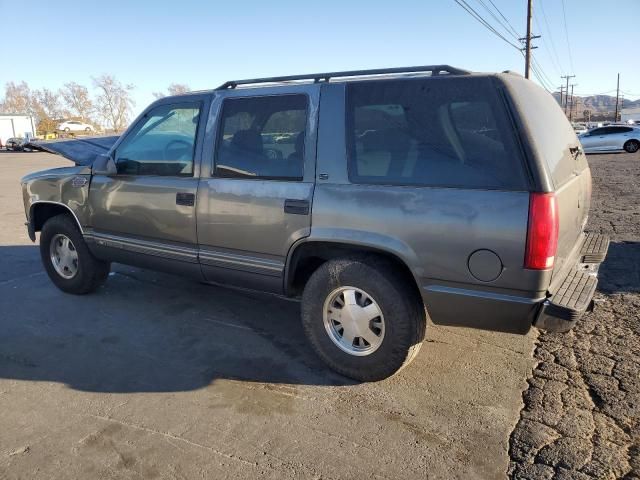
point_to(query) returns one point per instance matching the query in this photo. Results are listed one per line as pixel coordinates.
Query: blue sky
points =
(203, 43)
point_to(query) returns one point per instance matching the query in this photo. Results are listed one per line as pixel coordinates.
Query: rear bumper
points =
(574, 297)
(558, 311)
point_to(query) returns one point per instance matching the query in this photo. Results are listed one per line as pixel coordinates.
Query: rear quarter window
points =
(444, 132)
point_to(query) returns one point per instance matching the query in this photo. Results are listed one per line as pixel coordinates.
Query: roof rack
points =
(319, 77)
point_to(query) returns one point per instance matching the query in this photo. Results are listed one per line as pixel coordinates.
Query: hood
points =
(81, 151)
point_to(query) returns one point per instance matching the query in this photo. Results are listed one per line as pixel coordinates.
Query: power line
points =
(546, 47)
(483, 22)
(535, 67)
(541, 70)
(553, 44)
(505, 27)
(515, 33)
(566, 34)
(541, 76)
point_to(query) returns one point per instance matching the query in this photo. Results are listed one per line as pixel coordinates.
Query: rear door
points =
(255, 194)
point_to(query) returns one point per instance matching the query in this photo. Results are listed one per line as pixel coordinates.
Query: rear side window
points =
(450, 132)
(550, 130)
(262, 138)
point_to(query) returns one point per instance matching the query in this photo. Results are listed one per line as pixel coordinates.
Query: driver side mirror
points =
(104, 165)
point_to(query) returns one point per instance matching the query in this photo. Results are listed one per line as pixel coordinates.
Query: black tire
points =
(91, 272)
(401, 306)
(67, 129)
(87, 130)
(632, 146)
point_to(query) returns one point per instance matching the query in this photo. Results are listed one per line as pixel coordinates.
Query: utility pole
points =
(566, 92)
(527, 41)
(561, 97)
(571, 106)
(617, 98)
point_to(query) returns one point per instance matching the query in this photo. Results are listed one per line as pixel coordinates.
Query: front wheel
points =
(362, 317)
(67, 259)
(632, 146)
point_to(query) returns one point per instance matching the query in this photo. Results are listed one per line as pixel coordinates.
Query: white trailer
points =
(15, 125)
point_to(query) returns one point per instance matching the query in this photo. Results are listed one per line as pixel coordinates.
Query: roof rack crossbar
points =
(319, 77)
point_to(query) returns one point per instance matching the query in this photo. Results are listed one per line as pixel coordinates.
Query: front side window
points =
(262, 138)
(431, 132)
(163, 143)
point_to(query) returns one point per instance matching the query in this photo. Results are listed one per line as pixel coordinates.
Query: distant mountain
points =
(598, 104)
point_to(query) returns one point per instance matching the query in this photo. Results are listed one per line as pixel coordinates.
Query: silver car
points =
(613, 138)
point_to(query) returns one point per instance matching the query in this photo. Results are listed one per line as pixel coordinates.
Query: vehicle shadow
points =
(620, 272)
(147, 332)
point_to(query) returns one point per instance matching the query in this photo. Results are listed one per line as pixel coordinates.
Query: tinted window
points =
(162, 143)
(597, 131)
(262, 137)
(437, 132)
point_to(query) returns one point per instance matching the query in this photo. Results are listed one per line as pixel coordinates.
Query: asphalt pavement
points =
(156, 376)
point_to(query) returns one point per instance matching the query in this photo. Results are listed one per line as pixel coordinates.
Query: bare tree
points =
(47, 109)
(77, 100)
(114, 102)
(17, 98)
(174, 89)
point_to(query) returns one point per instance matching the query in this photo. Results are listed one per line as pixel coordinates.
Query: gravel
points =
(582, 408)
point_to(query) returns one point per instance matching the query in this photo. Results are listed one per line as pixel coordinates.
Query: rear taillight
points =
(542, 232)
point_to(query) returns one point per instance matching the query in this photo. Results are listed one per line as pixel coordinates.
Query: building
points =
(630, 114)
(16, 125)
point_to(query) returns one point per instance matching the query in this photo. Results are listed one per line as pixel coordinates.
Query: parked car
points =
(75, 126)
(580, 128)
(368, 217)
(613, 138)
(15, 144)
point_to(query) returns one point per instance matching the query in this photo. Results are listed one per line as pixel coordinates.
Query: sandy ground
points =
(159, 377)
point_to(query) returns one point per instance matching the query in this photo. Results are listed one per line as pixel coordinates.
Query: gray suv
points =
(375, 197)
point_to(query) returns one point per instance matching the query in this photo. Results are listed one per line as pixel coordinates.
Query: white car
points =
(580, 129)
(612, 138)
(75, 126)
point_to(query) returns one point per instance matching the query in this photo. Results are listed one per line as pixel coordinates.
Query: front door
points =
(148, 208)
(256, 201)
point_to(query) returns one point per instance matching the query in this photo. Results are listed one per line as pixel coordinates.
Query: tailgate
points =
(574, 199)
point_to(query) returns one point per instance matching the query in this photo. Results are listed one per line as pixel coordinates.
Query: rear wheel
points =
(67, 259)
(632, 146)
(87, 129)
(362, 317)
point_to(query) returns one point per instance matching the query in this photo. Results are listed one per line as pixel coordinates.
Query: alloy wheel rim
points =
(354, 321)
(64, 256)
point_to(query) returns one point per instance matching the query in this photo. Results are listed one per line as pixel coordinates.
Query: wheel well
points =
(309, 256)
(41, 212)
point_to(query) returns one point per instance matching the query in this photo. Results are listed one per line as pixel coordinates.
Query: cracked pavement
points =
(582, 408)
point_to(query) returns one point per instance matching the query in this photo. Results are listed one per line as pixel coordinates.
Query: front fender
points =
(65, 188)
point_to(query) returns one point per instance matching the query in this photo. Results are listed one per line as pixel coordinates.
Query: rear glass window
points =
(433, 132)
(550, 130)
